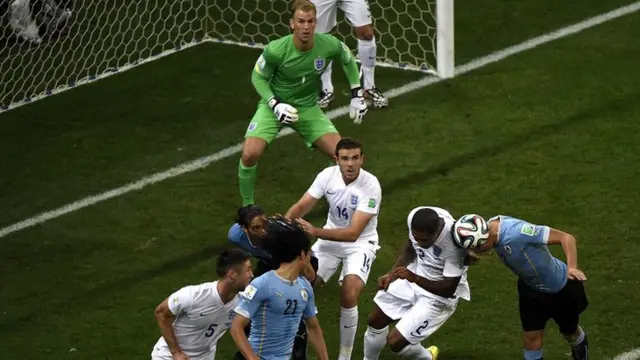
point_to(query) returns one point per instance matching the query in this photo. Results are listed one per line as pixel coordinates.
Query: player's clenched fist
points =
(358, 107)
(285, 113)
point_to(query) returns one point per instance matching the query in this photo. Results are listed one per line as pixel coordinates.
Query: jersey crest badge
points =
(437, 250)
(354, 200)
(318, 64)
(249, 292)
(372, 203)
(528, 229)
(303, 293)
(252, 126)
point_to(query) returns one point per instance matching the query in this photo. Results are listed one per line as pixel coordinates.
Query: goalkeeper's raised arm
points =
(287, 78)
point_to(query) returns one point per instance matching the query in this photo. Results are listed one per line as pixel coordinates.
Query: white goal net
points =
(48, 46)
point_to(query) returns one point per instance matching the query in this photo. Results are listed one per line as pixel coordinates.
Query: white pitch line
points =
(412, 86)
(630, 355)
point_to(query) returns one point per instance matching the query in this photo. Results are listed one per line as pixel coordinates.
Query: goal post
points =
(99, 38)
(410, 34)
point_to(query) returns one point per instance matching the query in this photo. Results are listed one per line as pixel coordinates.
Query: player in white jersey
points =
(194, 318)
(349, 237)
(358, 15)
(422, 290)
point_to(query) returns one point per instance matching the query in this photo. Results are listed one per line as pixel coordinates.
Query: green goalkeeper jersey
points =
(293, 76)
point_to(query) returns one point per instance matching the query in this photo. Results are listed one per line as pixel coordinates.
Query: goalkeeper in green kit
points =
(287, 77)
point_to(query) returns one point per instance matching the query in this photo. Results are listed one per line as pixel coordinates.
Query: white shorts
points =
(356, 12)
(420, 316)
(356, 259)
(163, 353)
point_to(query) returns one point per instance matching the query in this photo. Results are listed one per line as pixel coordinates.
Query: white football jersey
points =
(364, 194)
(201, 319)
(442, 259)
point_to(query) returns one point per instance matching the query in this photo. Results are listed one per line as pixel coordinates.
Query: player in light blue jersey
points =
(247, 232)
(277, 301)
(548, 288)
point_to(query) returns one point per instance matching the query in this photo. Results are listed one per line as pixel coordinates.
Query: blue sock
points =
(533, 355)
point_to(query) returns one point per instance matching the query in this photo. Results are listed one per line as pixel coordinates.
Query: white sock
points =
(327, 85)
(348, 328)
(374, 342)
(579, 339)
(416, 352)
(367, 52)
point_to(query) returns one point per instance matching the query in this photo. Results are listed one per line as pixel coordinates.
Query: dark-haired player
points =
(349, 237)
(278, 300)
(194, 318)
(248, 232)
(422, 289)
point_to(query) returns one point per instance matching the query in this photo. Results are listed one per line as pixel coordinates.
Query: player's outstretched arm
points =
(165, 319)
(570, 249)
(302, 207)
(238, 324)
(351, 233)
(316, 337)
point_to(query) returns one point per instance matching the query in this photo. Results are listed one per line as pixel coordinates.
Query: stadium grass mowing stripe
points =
(233, 150)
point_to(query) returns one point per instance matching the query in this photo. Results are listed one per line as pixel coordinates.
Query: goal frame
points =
(445, 59)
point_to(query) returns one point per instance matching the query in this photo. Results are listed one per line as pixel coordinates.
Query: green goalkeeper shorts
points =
(311, 125)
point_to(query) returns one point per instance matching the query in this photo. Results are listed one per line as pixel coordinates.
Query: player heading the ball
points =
(547, 287)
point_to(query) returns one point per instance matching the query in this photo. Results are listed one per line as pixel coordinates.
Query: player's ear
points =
(291, 23)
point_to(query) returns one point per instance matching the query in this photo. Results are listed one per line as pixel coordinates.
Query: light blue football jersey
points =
(522, 247)
(276, 306)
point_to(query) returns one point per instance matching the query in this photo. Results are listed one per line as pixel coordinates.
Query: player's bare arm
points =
(568, 243)
(351, 233)
(407, 256)
(302, 207)
(165, 318)
(445, 287)
(316, 338)
(238, 324)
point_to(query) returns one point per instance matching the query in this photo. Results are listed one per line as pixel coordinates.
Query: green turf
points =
(550, 135)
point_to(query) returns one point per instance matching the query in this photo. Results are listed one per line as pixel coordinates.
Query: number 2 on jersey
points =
(342, 213)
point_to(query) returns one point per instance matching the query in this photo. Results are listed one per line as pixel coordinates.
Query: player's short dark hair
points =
(229, 259)
(302, 5)
(425, 221)
(246, 213)
(348, 143)
(285, 240)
